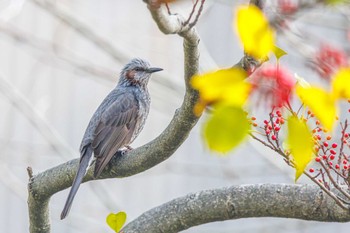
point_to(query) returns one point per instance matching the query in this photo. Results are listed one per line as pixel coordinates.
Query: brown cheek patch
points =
(130, 74)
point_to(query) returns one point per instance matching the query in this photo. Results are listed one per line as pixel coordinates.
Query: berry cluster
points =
(331, 166)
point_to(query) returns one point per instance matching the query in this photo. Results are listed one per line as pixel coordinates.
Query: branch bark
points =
(306, 202)
(43, 185)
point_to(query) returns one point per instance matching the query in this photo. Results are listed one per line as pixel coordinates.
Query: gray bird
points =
(116, 123)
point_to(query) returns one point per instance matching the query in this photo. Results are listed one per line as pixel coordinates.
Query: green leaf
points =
(278, 52)
(116, 221)
(300, 143)
(333, 2)
(227, 127)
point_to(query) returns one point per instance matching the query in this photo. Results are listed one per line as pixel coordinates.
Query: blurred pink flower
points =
(273, 85)
(328, 60)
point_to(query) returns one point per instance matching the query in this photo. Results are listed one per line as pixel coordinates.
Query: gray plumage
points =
(116, 123)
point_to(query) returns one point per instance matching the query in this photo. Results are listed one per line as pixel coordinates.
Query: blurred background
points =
(59, 59)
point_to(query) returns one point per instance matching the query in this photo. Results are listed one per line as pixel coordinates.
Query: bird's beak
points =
(154, 69)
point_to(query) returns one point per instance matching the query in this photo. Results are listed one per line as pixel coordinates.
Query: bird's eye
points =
(138, 69)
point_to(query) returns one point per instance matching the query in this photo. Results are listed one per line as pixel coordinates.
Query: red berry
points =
(324, 156)
(346, 135)
(266, 122)
(253, 118)
(282, 121)
(318, 137)
(267, 132)
(332, 152)
(274, 137)
(255, 124)
(329, 137)
(337, 166)
(311, 170)
(345, 167)
(334, 145)
(317, 122)
(345, 162)
(325, 144)
(317, 159)
(330, 164)
(308, 112)
(331, 157)
(314, 131)
(277, 128)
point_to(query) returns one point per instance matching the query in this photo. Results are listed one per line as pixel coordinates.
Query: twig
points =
(30, 172)
(262, 142)
(329, 193)
(335, 184)
(192, 12)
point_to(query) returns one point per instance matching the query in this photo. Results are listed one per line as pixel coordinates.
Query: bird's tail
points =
(83, 165)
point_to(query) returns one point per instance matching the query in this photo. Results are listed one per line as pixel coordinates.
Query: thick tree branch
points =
(43, 185)
(305, 202)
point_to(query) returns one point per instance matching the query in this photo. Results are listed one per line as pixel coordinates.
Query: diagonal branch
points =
(116, 53)
(305, 202)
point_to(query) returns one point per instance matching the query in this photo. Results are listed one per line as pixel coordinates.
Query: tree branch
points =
(116, 53)
(305, 202)
(43, 185)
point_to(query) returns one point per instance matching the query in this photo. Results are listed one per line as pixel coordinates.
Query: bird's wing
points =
(115, 129)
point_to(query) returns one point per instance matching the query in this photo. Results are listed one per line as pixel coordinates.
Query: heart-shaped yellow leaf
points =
(116, 221)
(300, 143)
(255, 32)
(321, 103)
(226, 128)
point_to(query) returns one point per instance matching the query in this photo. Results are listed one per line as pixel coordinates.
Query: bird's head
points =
(137, 72)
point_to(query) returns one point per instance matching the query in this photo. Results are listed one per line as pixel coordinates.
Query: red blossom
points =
(273, 85)
(287, 6)
(329, 59)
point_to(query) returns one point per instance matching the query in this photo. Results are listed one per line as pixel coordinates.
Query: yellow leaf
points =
(278, 52)
(320, 102)
(255, 32)
(341, 84)
(300, 143)
(227, 85)
(226, 128)
(116, 221)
